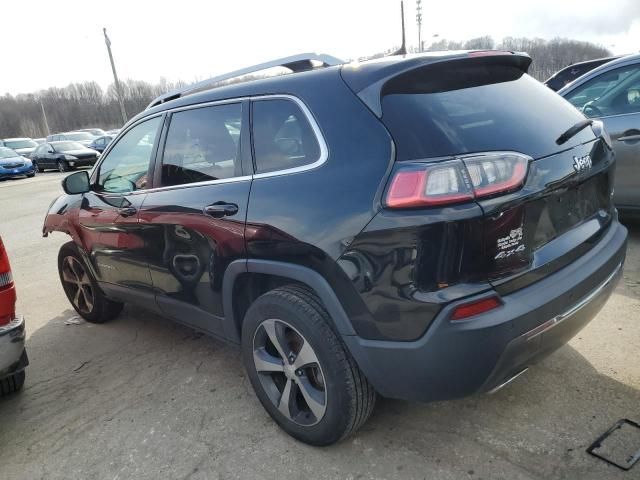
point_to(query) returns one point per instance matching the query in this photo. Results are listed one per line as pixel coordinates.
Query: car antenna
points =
(403, 49)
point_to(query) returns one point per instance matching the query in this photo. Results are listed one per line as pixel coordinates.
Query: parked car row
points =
(61, 151)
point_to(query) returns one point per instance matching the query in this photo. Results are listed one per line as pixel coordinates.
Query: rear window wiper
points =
(578, 127)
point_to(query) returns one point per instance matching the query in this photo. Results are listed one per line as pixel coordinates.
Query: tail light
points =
(7, 292)
(460, 180)
(6, 280)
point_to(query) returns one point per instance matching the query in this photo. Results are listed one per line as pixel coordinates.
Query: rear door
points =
(197, 216)
(614, 97)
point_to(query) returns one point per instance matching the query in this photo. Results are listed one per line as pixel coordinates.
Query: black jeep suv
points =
(420, 227)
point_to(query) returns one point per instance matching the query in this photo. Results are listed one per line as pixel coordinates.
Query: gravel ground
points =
(142, 398)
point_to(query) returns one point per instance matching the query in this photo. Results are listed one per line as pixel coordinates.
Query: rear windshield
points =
(447, 109)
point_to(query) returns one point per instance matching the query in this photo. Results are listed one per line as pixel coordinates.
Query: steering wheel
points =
(590, 110)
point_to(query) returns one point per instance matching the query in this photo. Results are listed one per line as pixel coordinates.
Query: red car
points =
(13, 356)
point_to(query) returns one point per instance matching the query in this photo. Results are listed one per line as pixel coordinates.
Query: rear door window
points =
(450, 109)
(282, 136)
(203, 144)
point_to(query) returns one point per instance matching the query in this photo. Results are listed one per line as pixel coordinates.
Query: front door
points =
(197, 217)
(110, 231)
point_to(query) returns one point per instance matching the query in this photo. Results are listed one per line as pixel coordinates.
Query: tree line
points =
(548, 56)
(83, 105)
(78, 105)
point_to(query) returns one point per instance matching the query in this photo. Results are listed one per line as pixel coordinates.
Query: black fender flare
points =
(291, 271)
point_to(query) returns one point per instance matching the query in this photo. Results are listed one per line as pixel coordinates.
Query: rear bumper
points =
(456, 359)
(13, 356)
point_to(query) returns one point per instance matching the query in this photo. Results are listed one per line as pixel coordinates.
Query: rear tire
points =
(63, 166)
(36, 168)
(82, 289)
(329, 397)
(12, 383)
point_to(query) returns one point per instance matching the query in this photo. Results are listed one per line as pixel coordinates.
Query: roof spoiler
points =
(371, 93)
(296, 63)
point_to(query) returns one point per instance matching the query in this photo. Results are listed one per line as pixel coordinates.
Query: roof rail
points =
(296, 63)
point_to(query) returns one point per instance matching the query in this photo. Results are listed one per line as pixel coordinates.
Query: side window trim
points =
(324, 151)
(246, 146)
(95, 173)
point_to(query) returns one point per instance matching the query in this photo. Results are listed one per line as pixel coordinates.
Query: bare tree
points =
(81, 105)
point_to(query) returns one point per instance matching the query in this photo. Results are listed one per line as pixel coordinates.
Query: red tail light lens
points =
(6, 280)
(462, 312)
(434, 185)
(7, 292)
(470, 177)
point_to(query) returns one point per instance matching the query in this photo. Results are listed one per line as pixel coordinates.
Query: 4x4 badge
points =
(582, 163)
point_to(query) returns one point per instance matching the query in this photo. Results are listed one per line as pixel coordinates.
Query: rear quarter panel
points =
(310, 218)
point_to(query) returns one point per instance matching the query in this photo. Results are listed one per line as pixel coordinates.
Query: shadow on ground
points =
(142, 398)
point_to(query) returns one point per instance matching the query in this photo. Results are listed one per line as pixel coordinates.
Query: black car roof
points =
(361, 75)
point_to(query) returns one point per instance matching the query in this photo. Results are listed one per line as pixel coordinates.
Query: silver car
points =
(611, 93)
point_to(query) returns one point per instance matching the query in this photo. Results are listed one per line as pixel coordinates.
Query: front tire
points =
(63, 166)
(300, 370)
(81, 288)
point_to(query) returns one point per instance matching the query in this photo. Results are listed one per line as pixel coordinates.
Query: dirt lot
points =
(142, 398)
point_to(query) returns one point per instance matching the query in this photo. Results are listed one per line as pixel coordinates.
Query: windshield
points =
(20, 144)
(454, 109)
(67, 146)
(78, 136)
(7, 153)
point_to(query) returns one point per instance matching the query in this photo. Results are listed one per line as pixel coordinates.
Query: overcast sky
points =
(53, 43)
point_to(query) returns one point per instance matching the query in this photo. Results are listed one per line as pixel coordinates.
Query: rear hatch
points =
(487, 132)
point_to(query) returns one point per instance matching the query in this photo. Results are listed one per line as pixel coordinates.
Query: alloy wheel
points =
(290, 372)
(77, 284)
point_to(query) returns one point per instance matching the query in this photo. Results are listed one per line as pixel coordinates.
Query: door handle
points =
(629, 137)
(127, 211)
(221, 209)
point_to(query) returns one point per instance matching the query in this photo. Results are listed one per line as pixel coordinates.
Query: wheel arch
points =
(283, 273)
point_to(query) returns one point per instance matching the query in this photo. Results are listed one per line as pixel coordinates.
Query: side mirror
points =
(76, 183)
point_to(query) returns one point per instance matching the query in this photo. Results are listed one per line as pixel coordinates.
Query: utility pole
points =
(403, 49)
(44, 117)
(115, 77)
(419, 22)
